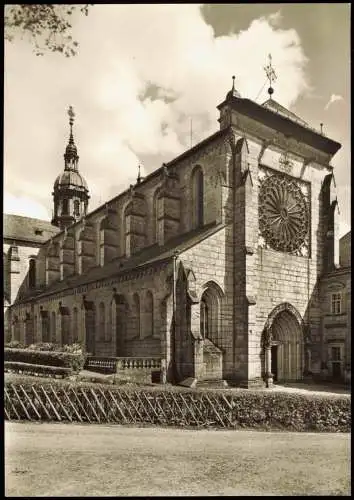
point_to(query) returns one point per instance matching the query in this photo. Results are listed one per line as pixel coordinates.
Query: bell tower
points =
(70, 193)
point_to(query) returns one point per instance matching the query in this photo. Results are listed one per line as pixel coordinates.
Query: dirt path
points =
(46, 459)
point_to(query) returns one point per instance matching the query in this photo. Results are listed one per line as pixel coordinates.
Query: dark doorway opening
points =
(274, 363)
(336, 370)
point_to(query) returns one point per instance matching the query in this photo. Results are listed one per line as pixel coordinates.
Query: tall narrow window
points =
(204, 318)
(336, 303)
(32, 273)
(198, 197)
(65, 206)
(136, 315)
(102, 322)
(75, 325)
(53, 328)
(149, 315)
(76, 207)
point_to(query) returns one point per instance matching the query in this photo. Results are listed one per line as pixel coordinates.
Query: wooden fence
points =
(102, 405)
(106, 404)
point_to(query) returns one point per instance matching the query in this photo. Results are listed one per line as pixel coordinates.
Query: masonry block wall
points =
(15, 276)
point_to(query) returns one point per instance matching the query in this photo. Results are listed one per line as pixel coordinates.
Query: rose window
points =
(283, 214)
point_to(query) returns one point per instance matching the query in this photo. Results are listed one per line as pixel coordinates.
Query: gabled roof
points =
(27, 229)
(278, 108)
(283, 120)
(154, 254)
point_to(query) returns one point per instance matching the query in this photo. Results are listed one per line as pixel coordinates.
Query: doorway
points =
(274, 362)
(287, 352)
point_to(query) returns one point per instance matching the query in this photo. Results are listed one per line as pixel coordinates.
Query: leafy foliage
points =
(17, 366)
(259, 410)
(47, 26)
(46, 346)
(47, 358)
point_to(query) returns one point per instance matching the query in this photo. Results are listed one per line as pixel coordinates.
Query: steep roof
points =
(279, 118)
(27, 229)
(278, 108)
(154, 254)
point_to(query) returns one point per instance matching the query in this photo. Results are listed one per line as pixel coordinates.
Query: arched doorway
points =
(286, 343)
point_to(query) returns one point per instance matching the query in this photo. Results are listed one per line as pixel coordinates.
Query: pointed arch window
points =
(198, 197)
(102, 322)
(149, 314)
(136, 316)
(53, 328)
(75, 325)
(204, 313)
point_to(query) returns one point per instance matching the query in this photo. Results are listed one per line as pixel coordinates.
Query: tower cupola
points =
(70, 192)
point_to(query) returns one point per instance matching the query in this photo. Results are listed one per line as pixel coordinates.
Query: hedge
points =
(48, 358)
(37, 369)
(243, 409)
(45, 346)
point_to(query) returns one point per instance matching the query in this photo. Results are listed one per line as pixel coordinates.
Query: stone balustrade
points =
(112, 365)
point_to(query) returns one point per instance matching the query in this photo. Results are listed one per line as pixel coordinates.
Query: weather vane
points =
(71, 115)
(270, 75)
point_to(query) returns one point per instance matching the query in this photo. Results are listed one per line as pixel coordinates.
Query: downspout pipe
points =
(174, 307)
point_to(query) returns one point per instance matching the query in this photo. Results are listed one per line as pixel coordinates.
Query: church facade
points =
(213, 262)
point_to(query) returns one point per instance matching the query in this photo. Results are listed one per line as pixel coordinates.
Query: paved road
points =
(55, 459)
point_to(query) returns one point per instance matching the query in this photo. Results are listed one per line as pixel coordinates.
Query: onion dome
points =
(70, 178)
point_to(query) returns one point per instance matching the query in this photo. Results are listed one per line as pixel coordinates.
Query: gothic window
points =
(198, 197)
(204, 318)
(149, 315)
(210, 312)
(65, 210)
(75, 325)
(283, 214)
(102, 322)
(32, 273)
(76, 207)
(53, 328)
(336, 303)
(336, 353)
(111, 312)
(136, 316)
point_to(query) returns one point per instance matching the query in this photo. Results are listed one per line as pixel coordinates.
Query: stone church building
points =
(213, 262)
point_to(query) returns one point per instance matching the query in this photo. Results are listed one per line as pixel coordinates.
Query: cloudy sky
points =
(144, 71)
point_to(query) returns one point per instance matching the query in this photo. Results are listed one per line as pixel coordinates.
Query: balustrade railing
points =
(126, 363)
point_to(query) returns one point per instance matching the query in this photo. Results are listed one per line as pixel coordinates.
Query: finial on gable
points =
(139, 178)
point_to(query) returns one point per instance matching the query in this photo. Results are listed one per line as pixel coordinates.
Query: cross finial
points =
(270, 75)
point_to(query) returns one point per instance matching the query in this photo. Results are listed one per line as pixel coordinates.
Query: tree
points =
(47, 25)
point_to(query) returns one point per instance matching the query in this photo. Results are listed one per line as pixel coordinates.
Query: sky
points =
(144, 73)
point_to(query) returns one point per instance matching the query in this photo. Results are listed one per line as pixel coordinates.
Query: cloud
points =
(24, 206)
(142, 72)
(333, 98)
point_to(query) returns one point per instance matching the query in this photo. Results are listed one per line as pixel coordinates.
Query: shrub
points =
(14, 344)
(37, 369)
(48, 358)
